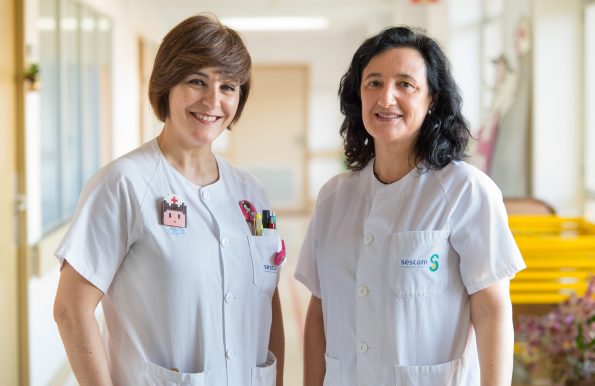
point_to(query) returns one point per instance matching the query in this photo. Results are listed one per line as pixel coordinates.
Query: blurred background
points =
(73, 85)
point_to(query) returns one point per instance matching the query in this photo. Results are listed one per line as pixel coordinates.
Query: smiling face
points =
(201, 106)
(395, 96)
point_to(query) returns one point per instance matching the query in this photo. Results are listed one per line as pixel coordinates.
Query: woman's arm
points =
(277, 337)
(314, 345)
(491, 314)
(74, 312)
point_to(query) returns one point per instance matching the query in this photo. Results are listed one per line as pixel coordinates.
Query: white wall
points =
(589, 143)
(558, 104)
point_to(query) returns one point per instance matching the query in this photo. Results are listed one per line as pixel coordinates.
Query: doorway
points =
(270, 138)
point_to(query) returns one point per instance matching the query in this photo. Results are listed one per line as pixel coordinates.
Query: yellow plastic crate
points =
(560, 257)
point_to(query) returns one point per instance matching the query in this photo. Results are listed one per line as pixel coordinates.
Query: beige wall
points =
(9, 350)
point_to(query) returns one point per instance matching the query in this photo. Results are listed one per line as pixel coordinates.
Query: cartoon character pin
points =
(173, 211)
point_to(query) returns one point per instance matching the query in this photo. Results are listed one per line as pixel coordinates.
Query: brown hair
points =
(198, 42)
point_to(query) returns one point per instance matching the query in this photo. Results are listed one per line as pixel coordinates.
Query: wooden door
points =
(270, 138)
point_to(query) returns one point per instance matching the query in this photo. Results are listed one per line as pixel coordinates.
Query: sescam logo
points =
(420, 263)
(434, 260)
(270, 268)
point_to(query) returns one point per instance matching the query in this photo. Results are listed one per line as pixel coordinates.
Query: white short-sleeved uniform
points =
(394, 266)
(195, 299)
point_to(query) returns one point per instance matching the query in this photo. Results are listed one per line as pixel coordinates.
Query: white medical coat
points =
(194, 299)
(394, 266)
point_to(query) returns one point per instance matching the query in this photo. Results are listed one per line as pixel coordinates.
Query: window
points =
(75, 61)
(477, 28)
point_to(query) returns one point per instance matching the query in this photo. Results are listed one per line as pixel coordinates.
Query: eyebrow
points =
(198, 73)
(379, 75)
(222, 75)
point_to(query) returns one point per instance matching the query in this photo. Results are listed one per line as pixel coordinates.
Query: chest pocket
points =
(263, 250)
(418, 263)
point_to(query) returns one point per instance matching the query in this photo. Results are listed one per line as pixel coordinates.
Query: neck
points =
(196, 164)
(390, 164)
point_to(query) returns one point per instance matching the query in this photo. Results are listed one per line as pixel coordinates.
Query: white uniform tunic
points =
(394, 266)
(195, 299)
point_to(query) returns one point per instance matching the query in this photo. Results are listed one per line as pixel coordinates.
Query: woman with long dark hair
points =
(408, 255)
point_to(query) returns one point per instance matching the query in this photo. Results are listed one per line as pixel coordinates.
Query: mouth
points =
(386, 115)
(205, 118)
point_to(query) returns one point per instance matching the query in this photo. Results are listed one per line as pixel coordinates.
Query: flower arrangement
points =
(564, 338)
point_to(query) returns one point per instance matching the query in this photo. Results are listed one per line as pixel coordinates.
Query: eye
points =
(169, 215)
(375, 83)
(406, 85)
(178, 216)
(196, 82)
(229, 87)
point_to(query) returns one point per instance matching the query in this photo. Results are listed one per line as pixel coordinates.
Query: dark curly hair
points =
(444, 133)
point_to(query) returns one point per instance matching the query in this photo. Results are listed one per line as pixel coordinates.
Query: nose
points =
(211, 97)
(387, 97)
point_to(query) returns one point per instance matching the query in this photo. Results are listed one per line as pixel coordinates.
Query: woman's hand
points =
(74, 312)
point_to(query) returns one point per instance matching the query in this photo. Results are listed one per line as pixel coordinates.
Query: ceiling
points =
(342, 14)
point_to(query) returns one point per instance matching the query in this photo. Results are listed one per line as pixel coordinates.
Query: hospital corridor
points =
(82, 83)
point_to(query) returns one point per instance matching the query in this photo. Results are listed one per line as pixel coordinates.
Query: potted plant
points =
(563, 340)
(32, 76)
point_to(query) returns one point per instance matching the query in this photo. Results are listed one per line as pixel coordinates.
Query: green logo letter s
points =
(434, 260)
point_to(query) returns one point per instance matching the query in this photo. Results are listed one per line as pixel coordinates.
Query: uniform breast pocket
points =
(263, 250)
(418, 263)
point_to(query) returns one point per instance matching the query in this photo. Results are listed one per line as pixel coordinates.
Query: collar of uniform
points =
(215, 192)
(382, 188)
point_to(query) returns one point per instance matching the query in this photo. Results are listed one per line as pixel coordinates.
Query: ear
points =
(432, 102)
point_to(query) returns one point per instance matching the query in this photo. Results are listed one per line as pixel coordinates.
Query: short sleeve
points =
(481, 236)
(101, 231)
(307, 269)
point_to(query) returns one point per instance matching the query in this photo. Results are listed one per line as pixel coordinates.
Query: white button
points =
(363, 290)
(369, 238)
(206, 195)
(225, 242)
(362, 347)
(230, 353)
(229, 297)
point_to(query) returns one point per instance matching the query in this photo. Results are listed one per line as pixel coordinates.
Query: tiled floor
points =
(294, 299)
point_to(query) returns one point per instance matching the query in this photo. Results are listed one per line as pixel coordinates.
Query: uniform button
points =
(229, 297)
(369, 238)
(225, 242)
(230, 354)
(206, 195)
(362, 347)
(363, 290)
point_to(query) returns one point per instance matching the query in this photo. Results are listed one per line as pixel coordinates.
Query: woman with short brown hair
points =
(161, 238)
